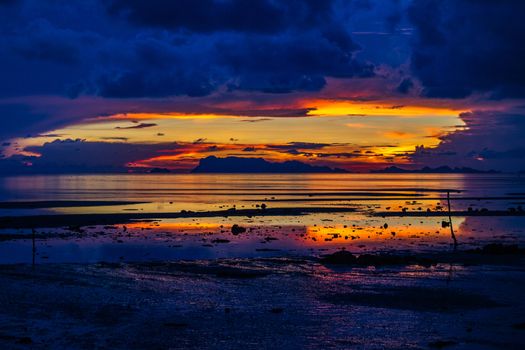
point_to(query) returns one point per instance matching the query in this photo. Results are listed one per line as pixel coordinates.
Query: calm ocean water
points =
(196, 238)
(207, 192)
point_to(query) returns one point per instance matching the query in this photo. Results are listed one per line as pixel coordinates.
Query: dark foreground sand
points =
(265, 303)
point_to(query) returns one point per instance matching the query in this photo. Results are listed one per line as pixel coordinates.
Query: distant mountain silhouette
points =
(159, 171)
(428, 170)
(213, 164)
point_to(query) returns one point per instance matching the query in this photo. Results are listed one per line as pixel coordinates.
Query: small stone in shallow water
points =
(236, 229)
(440, 344)
(499, 249)
(520, 326)
(175, 325)
(25, 341)
(341, 257)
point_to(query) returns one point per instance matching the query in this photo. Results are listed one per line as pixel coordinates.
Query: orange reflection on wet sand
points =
(397, 232)
(179, 227)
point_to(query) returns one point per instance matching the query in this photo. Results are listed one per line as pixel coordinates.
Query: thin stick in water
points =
(450, 222)
(34, 247)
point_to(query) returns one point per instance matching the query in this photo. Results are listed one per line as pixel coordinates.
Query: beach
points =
(264, 174)
(224, 261)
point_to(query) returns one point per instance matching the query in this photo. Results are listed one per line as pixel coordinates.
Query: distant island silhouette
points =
(159, 171)
(213, 164)
(438, 170)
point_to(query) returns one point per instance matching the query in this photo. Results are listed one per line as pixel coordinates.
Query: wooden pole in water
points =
(34, 247)
(450, 222)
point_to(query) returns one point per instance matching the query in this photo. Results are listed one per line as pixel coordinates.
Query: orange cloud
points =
(186, 156)
(354, 108)
(398, 135)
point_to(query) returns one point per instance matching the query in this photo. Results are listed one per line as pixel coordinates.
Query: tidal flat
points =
(263, 262)
(296, 303)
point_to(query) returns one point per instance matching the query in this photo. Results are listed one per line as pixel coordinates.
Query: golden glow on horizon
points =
(158, 116)
(315, 108)
(352, 108)
(349, 134)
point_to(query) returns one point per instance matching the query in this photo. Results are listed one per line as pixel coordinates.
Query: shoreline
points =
(491, 254)
(63, 204)
(64, 220)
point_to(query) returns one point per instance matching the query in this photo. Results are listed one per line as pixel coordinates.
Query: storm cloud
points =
(490, 140)
(463, 47)
(132, 49)
(66, 63)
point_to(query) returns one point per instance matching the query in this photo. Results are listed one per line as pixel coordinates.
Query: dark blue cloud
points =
(78, 156)
(286, 63)
(133, 49)
(470, 46)
(19, 119)
(40, 41)
(7, 2)
(405, 86)
(490, 140)
(162, 48)
(209, 16)
(207, 44)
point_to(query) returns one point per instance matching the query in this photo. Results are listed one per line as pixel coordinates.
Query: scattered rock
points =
(440, 344)
(25, 341)
(236, 229)
(175, 325)
(387, 259)
(341, 257)
(520, 326)
(220, 240)
(499, 249)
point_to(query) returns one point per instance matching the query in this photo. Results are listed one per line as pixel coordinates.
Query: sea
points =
(370, 222)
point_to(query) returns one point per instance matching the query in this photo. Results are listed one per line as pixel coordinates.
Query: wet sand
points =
(461, 213)
(61, 204)
(262, 303)
(50, 221)
(188, 270)
(64, 220)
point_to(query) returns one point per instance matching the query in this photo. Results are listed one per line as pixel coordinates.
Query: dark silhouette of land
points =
(159, 171)
(438, 170)
(213, 164)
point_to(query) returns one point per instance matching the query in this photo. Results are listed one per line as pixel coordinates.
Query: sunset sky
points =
(119, 86)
